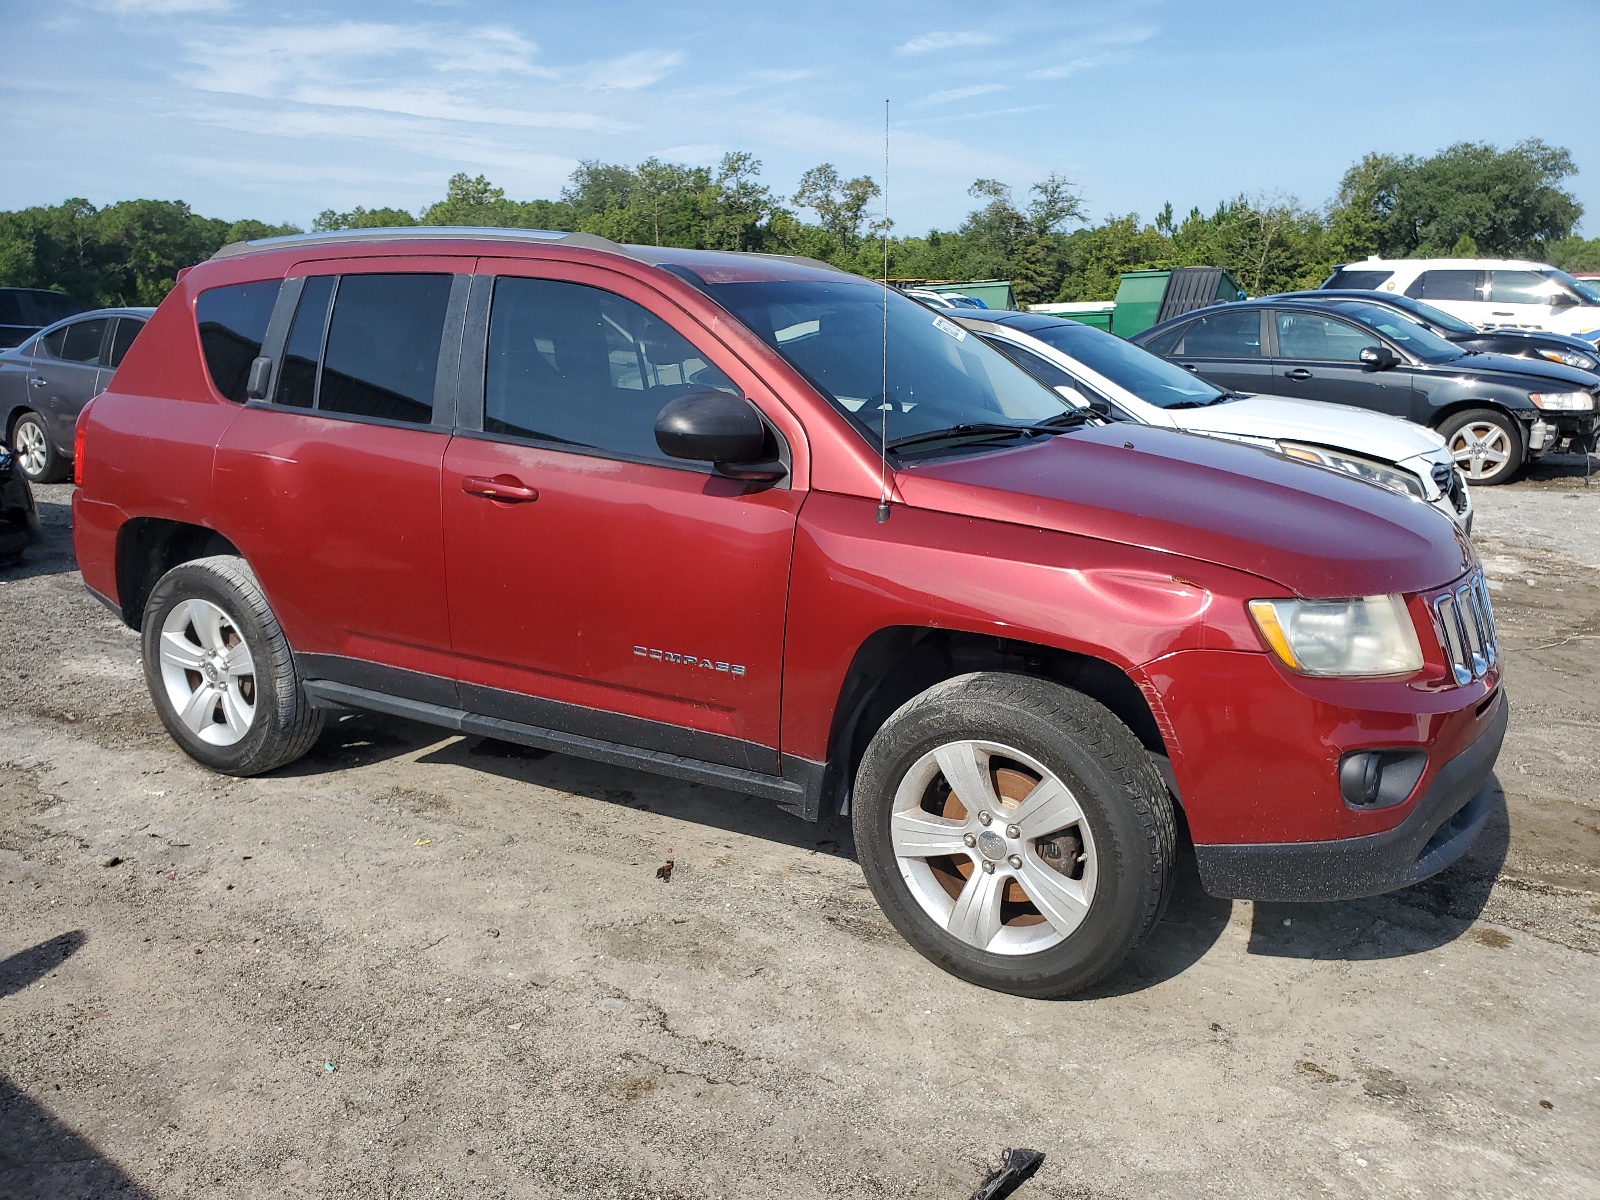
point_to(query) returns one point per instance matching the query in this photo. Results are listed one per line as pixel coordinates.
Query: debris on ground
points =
(1015, 1169)
(664, 871)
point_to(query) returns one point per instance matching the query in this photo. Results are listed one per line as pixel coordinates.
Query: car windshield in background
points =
(940, 376)
(1415, 339)
(1436, 317)
(1154, 380)
(1584, 287)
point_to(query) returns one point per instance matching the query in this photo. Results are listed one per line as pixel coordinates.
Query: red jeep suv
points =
(755, 522)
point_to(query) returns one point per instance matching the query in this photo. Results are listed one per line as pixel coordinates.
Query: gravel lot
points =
(413, 965)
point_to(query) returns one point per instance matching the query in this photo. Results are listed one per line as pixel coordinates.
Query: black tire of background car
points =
(56, 468)
(1492, 416)
(1121, 793)
(286, 726)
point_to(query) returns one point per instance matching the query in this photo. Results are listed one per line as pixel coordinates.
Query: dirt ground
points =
(416, 965)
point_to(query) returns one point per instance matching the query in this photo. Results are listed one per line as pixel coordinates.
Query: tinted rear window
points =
(233, 324)
(1365, 281)
(1446, 285)
(11, 308)
(50, 307)
(127, 329)
(383, 346)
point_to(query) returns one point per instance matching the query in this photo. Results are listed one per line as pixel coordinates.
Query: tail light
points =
(77, 448)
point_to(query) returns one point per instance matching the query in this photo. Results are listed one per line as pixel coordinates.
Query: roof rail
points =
(418, 233)
(485, 233)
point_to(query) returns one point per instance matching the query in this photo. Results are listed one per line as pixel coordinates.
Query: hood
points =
(1530, 374)
(1317, 533)
(1529, 337)
(1374, 435)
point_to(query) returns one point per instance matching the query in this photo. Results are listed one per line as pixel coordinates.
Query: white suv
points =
(1120, 380)
(1489, 292)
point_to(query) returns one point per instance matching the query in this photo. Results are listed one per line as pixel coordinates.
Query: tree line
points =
(1470, 199)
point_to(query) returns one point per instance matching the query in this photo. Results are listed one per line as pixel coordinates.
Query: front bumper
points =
(1444, 823)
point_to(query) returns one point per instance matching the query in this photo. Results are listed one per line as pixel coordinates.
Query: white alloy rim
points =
(208, 672)
(31, 448)
(994, 847)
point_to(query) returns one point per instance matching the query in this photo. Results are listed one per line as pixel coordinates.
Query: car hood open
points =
(1374, 435)
(1317, 533)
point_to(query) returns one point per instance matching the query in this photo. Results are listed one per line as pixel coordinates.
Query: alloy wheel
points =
(1480, 449)
(994, 847)
(209, 674)
(31, 450)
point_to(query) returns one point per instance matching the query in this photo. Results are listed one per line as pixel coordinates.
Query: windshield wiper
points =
(986, 430)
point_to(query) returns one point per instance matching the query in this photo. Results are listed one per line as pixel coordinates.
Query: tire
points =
(220, 670)
(35, 455)
(1095, 837)
(1485, 443)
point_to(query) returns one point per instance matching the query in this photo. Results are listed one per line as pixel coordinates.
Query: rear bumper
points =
(1440, 829)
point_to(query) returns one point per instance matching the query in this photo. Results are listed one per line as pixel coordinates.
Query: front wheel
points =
(1015, 833)
(1485, 443)
(220, 671)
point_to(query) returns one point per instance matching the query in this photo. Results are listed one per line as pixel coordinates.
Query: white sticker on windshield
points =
(951, 328)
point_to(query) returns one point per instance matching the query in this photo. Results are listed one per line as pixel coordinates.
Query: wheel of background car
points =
(30, 445)
(1485, 443)
(1014, 832)
(220, 671)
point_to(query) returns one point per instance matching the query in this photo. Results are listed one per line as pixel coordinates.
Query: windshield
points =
(1436, 317)
(1584, 287)
(1416, 340)
(1154, 380)
(940, 376)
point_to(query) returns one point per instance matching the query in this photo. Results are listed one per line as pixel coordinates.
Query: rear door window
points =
(233, 324)
(1365, 281)
(374, 352)
(585, 368)
(127, 329)
(78, 342)
(1224, 335)
(1447, 285)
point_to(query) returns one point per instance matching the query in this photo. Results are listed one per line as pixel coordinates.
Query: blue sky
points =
(280, 110)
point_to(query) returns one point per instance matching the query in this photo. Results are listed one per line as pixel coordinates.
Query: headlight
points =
(1371, 635)
(1570, 358)
(1382, 474)
(1563, 401)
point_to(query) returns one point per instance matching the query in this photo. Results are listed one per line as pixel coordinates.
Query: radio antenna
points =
(883, 405)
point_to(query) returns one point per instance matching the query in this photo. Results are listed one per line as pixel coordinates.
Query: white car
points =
(1489, 292)
(1116, 378)
(943, 300)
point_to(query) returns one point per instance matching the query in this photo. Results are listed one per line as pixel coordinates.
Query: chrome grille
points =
(1464, 621)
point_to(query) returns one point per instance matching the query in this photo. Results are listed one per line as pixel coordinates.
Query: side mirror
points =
(259, 379)
(1562, 299)
(1071, 395)
(1379, 358)
(721, 429)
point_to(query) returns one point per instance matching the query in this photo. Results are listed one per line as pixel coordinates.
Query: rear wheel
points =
(30, 446)
(1485, 443)
(1015, 833)
(220, 671)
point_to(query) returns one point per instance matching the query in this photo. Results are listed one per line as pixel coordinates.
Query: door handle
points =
(1189, 367)
(1497, 313)
(506, 488)
(1297, 373)
(35, 381)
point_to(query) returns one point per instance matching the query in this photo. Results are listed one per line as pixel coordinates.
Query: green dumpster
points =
(1146, 298)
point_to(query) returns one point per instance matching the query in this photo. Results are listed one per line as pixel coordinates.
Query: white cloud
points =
(963, 93)
(631, 71)
(945, 40)
(163, 8)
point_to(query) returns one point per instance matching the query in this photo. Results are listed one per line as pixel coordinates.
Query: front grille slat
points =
(1464, 622)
